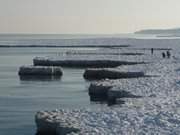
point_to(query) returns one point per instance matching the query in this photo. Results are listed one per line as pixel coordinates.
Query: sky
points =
(87, 16)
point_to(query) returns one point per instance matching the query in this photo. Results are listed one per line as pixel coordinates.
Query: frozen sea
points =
(21, 99)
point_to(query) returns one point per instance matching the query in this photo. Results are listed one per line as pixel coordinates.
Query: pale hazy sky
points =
(87, 16)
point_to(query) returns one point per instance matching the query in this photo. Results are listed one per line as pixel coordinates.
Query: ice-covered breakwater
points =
(39, 71)
(94, 74)
(103, 53)
(81, 63)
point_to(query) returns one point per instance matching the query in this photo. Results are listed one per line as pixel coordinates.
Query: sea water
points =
(21, 99)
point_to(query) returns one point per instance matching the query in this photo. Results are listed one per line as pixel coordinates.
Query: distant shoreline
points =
(173, 31)
(62, 46)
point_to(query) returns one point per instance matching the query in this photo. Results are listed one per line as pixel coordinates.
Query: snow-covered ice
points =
(156, 112)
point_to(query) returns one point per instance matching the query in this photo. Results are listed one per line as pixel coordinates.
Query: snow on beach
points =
(143, 119)
(156, 112)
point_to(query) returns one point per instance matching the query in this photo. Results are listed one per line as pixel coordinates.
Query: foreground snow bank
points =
(133, 120)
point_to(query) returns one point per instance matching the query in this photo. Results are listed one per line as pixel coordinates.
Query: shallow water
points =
(21, 99)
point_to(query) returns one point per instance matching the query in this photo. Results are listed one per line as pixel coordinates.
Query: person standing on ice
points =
(152, 51)
(163, 55)
(168, 54)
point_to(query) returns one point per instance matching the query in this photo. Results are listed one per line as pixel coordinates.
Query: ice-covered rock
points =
(108, 91)
(110, 74)
(99, 89)
(55, 123)
(39, 71)
(40, 78)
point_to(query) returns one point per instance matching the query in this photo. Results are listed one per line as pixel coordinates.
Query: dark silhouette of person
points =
(163, 55)
(168, 54)
(152, 51)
